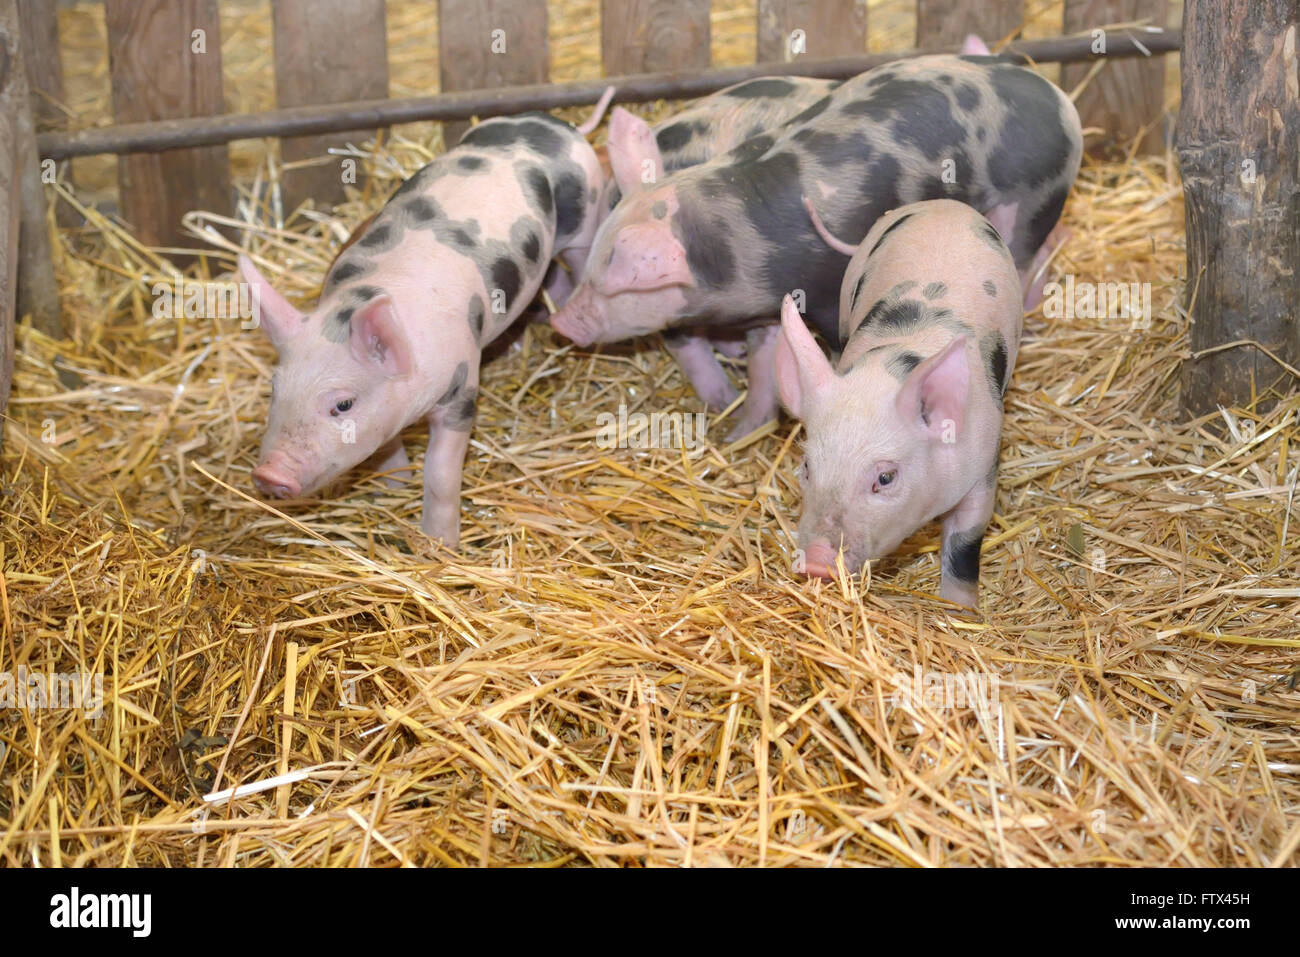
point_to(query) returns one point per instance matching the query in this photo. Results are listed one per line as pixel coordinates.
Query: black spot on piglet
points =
(477, 310)
(763, 86)
(457, 403)
(457, 383)
(892, 226)
(901, 365)
(994, 349)
(989, 234)
(961, 554)
(537, 183)
(506, 277)
(377, 238)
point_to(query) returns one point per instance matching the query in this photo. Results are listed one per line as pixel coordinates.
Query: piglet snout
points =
(819, 560)
(275, 481)
(567, 324)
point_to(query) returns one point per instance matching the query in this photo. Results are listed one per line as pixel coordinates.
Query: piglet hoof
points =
(1036, 280)
(441, 534)
(965, 597)
(719, 396)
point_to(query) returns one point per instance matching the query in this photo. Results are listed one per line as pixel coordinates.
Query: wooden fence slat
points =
(27, 284)
(829, 28)
(653, 36)
(326, 51)
(484, 44)
(161, 69)
(1127, 95)
(945, 23)
(38, 21)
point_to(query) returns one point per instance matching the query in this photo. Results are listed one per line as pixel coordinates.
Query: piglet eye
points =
(804, 471)
(884, 479)
(342, 407)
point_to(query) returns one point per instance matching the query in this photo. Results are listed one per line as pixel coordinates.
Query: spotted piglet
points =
(905, 427)
(443, 269)
(717, 244)
(710, 127)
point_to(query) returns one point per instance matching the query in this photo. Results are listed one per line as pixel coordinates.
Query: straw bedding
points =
(619, 666)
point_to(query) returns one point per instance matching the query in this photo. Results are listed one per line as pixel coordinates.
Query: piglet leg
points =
(559, 281)
(731, 348)
(703, 371)
(1033, 274)
(963, 534)
(443, 463)
(559, 285)
(392, 463)
(1034, 278)
(761, 403)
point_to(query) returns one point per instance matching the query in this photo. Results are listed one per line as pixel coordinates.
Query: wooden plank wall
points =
(334, 50)
(1126, 99)
(157, 74)
(326, 51)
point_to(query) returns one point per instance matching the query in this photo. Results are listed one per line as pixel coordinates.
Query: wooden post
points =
(11, 101)
(1238, 140)
(825, 28)
(945, 23)
(165, 62)
(326, 51)
(1127, 98)
(652, 36)
(27, 283)
(484, 44)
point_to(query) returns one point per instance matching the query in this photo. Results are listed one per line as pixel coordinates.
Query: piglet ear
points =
(633, 152)
(272, 311)
(934, 396)
(645, 256)
(377, 338)
(801, 367)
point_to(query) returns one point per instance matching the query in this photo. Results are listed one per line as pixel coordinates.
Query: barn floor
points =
(619, 667)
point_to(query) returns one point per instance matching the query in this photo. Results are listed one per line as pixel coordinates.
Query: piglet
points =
(905, 427)
(404, 313)
(716, 245)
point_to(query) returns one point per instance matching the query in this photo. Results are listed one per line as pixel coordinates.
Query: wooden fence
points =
(331, 70)
(332, 51)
